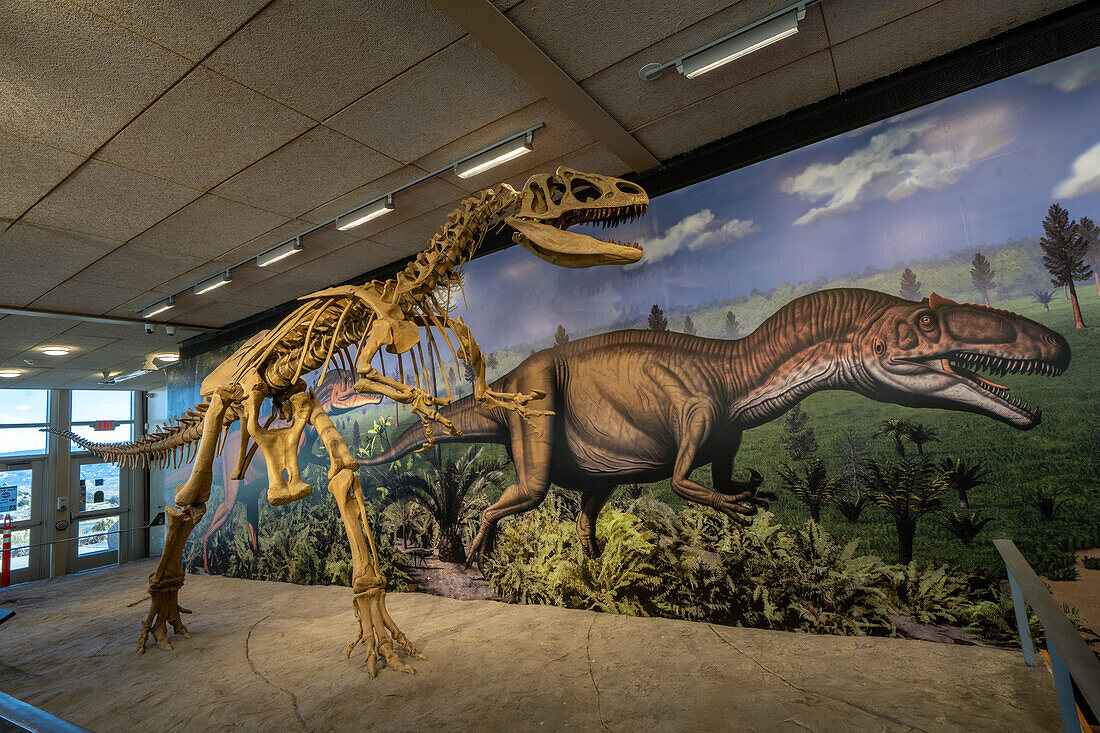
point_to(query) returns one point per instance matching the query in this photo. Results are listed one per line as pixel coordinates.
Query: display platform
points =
(270, 656)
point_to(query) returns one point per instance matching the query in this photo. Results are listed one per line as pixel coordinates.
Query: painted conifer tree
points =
(689, 327)
(561, 338)
(733, 328)
(798, 437)
(910, 285)
(1064, 252)
(657, 320)
(981, 274)
(1091, 232)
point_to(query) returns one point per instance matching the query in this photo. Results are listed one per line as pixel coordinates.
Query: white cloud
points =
(1069, 74)
(896, 163)
(696, 232)
(1085, 177)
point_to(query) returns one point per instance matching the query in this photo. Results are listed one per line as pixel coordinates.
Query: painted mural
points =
(840, 372)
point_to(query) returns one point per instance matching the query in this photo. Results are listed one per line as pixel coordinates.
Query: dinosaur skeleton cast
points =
(396, 315)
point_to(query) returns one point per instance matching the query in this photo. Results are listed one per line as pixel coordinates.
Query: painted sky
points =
(980, 167)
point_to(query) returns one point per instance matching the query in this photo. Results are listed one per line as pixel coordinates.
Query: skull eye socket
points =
(583, 191)
(557, 192)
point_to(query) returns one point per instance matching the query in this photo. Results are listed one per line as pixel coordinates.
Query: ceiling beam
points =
(489, 27)
(102, 319)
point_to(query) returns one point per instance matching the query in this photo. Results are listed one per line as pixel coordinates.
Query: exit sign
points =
(103, 425)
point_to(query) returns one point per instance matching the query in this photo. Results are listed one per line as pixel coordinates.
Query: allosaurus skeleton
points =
(399, 315)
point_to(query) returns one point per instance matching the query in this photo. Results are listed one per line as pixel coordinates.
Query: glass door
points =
(21, 498)
(100, 499)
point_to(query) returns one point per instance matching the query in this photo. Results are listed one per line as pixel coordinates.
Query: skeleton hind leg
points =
(368, 584)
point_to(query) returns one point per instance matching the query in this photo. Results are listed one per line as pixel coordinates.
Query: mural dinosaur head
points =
(549, 204)
(928, 354)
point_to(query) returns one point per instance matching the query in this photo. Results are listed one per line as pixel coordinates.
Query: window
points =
(93, 405)
(23, 414)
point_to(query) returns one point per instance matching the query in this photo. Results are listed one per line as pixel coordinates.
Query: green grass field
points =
(1055, 456)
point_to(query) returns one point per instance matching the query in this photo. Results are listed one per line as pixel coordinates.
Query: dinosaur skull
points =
(550, 204)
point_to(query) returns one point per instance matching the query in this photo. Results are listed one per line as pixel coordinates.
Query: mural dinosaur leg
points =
(531, 453)
(367, 583)
(747, 490)
(190, 500)
(592, 502)
(696, 426)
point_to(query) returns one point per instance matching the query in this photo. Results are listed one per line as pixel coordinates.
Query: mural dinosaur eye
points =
(927, 321)
(880, 347)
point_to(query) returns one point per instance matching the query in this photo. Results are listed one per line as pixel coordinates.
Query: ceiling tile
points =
(72, 79)
(592, 159)
(410, 204)
(15, 327)
(204, 130)
(317, 56)
(364, 194)
(795, 85)
(307, 172)
(582, 40)
(925, 34)
(849, 18)
(76, 296)
(106, 330)
(191, 28)
(209, 227)
(560, 136)
(217, 314)
(276, 291)
(28, 170)
(111, 202)
(413, 235)
(348, 263)
(139, 267)
(634, 102)
(25, 248)
(449, 94)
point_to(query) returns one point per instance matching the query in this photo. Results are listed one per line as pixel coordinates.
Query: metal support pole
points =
(1063, 683)
(1020, 607)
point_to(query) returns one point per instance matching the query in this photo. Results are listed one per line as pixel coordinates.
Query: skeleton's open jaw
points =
(961, 364)
(552, 242)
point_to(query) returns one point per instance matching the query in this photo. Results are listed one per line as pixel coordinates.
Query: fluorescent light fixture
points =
(9, 373)
(740, 45)
(775, 27)
(158, 307)
(494, 156)
(169, 358)
(124, 377)
(222, 278)
(370, 211)
(284, 250)
(55, 350)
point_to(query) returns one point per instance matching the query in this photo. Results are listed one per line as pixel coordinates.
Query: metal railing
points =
(18, 715)
(1071, 660)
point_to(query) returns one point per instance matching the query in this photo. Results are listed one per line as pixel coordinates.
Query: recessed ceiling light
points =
(9, 373)
(368, 212)
(284, 250)
(170, 358)
(494, 156)
(55, 350)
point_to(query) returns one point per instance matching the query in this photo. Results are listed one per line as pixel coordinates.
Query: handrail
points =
(28, 717)
(1071, 660)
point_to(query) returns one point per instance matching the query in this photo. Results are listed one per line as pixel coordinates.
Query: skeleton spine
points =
(158, 449)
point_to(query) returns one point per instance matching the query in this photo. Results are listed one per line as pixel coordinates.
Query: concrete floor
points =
(269, 656)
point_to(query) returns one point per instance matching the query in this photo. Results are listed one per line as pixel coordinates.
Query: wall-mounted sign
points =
(9, 499)
(104, 425)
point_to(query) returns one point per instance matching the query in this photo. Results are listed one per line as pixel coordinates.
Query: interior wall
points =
(925, 191)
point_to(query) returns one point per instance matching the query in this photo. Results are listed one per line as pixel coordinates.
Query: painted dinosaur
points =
(641, 406)
(336, 396)
(397, 315)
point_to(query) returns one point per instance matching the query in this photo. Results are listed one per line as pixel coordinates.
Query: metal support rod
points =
(94, 534)
(1020, 607)
(1063, 683)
